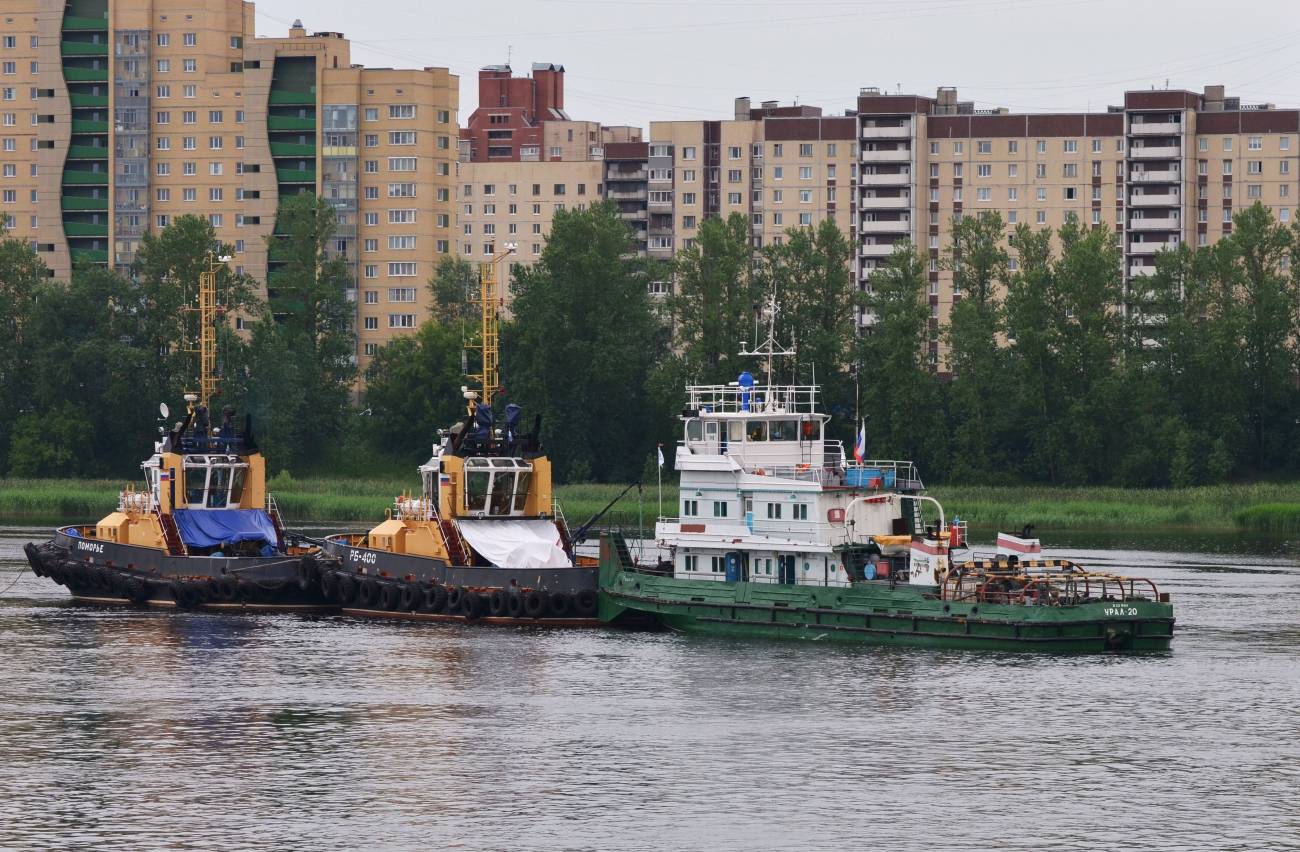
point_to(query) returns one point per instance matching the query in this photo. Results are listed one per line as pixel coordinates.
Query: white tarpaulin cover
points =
(516, 544)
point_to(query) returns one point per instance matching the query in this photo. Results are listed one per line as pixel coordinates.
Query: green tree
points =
(297, 370)
(455, 284)
(582, 344)
(22, 274)
(713, 308)
(413, 390)
(58, 444)
(978, 393)
(810, 272)
(1035, 313)
(901, 399)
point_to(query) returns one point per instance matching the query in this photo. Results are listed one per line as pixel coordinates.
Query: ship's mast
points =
(490, 301)
(207, 310)
(769, 348)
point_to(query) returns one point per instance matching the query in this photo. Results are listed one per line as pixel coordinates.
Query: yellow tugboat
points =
(203, 532)
(484, 538)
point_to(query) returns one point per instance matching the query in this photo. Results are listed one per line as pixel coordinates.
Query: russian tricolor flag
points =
(860, 448)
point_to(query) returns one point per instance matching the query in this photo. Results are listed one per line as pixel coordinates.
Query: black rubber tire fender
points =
(472, 605)
(306, 572)
(329, 585)
(368, 592)
(560, 604)
(412, 597)
(35, 559)
(456, 597)
(214, 589)
(497, 603)
(198, 590)
(179, 593)
(390, 597)
(586, 603)
(251, 591)
(347, 589)
(535, 603)
(435, 599)
(514, 604)
(228, 588)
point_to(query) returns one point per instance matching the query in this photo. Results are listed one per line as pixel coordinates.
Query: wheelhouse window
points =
(785, 430)
(756, 430)
(477, 479)
(694, 430)
(237, 479)
(812, 430)
(218, 487)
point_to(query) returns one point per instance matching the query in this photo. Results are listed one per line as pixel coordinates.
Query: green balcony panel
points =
(86, 152)
(80, 126)
(286, 98)
(287, 122)
(85, 75)
(292, 149)
(71, 23)
(294, 176)
(74, 177)
(81, 48)
(88, 101)
(92, 256)
(83, 229)
(76, 202)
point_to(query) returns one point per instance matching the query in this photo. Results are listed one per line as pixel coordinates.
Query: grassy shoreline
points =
(358, 502)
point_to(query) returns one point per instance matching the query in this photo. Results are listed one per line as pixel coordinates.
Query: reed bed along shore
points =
(358, 502)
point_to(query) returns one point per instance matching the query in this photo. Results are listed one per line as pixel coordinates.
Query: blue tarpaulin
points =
(211, 527)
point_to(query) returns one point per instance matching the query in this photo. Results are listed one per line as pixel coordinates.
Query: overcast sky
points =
(634, 61)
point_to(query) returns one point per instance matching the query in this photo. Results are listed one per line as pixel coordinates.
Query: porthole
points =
(947, 608)
(974, 610)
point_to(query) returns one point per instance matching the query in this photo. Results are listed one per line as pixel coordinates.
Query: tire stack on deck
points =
(387, 595)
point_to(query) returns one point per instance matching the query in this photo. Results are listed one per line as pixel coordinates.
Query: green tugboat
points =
(781, 536)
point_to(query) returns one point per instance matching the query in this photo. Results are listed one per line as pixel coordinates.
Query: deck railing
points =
(732, 398)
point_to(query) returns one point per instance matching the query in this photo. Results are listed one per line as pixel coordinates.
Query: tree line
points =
(1049, 367)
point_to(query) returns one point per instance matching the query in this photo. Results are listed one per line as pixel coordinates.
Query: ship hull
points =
(875, 613)
(109, 573)
(382, 584)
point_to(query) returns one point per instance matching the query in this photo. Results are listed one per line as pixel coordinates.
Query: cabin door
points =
(785, 570)
(733, 568)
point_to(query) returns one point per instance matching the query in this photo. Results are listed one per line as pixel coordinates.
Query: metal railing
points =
(732, 398)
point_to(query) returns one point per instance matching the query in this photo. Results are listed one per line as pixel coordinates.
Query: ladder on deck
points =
(171, 535)
(273, 511)
(453, 542)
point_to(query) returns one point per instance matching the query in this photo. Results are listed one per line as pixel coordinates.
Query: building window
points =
(164, 91)
(984, 171)
(214, 194)
(371, 323)
(1042, 216)
(983, 195)
(735, 198)
(164, 66)
(401, 190)
(401, 137)
(1071, 170)
(688, 198)
(214, 219)
(372, 271)
(1042, 146)
(805, 196)
(805, 219)
(401, 320)
(401, 243)
(1255, 191)
(401, 270)
(401, 111)
(1071, 193)
(934, 148)
(401, 294)
(189, 92)
(1255, 167)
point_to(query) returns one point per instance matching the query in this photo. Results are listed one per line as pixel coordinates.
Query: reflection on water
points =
(125, 729)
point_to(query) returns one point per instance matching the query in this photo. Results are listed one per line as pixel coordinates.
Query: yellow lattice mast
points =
(207, 310)
(490, 301)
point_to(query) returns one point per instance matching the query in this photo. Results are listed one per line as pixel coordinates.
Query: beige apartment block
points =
(1164, 168)
(781, 167)
(19, 113)
(514, 202)
(136, 113)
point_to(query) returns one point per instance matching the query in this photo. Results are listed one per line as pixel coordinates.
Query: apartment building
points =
(522, 159)
(781, 167)
(140, 112)
(1159, 170)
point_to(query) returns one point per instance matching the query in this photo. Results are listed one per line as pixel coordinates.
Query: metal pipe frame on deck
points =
(942, 523)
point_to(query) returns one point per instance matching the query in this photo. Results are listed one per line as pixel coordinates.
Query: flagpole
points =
(661, 480)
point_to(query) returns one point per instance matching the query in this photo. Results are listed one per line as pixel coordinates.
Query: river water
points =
(127, 730)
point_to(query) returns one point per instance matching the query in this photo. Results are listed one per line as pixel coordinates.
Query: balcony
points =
(903, 132)
(1173, 199)
(896, 227)
(875, 251)
(614, 176)
(1151, 248)
(85, 75)
(1171, 152)
(81, 48)
(885, 180)
(74, 202)
(1138, 271)
(85, 229)
(286, 122)
(81, 127)
(288, 149)
(87, 152)
(1173, 176)
(88, 101)
(637, 194)
(1167, 129)
(886, 156)
(903, 202)
(74, 23)
(75, 177)
(291, 98)
(295, 176)
(1170, 224)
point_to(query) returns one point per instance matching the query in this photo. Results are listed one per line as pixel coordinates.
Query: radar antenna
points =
(770, 348)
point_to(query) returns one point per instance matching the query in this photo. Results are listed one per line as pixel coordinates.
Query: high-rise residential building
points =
(522, 159)
(1164, 168)
(140, 112)
(781, 167)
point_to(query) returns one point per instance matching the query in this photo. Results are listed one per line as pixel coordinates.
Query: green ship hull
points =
(876, 613)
